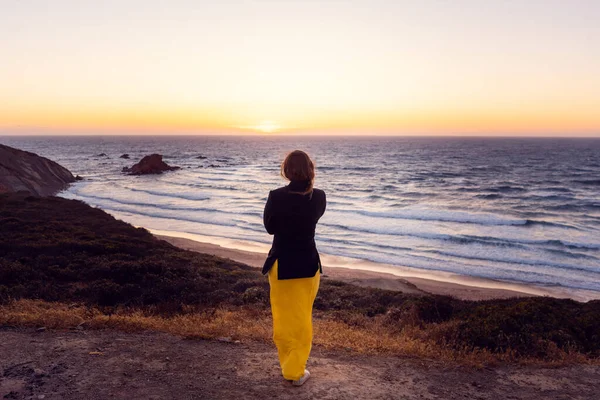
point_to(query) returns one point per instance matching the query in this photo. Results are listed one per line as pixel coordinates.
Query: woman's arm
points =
(324, 205)
(268, 219)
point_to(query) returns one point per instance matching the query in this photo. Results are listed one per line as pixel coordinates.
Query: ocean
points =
(519, 210)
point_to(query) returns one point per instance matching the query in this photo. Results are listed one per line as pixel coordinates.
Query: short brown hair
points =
(298, 167)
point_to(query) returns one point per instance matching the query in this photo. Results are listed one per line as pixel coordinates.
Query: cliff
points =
(24, 171)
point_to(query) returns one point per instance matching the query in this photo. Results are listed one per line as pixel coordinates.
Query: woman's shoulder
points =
(285, 190)
(318, 192)
(278, 191)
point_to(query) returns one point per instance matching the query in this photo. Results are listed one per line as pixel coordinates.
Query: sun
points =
(267, 127)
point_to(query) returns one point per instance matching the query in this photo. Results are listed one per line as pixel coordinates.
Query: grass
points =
(63, 263)
(251, 324)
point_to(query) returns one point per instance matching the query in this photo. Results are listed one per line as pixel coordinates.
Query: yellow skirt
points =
(291, 304)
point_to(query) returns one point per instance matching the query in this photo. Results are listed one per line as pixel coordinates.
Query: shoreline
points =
(370, 274)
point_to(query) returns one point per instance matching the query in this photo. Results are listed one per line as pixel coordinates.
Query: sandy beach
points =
(367, 278)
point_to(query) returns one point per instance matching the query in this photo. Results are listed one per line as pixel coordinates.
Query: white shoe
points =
(304, 378)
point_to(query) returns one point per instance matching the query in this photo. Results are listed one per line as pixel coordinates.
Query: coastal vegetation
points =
(66, 265)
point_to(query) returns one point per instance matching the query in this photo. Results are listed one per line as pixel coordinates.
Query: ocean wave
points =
(568, 244)
(492, 196)
(416, 195)
(364, 168)
(87, 197)
(453, 216)
(571, 254)
(531, 222)
(574, 207)
(214, 220)
(555, 189)
(358, 243)
(593, 182)
(518, 261)
(463, 239)
(134, 207)
(547, 198)
(442, 175)
(491, 168)
(505, 189)
(223, 187)
(385, 231)
(187, 185)
(521, 242)
(209, 192)
(233, 181)
(194, 197)
(424, 214)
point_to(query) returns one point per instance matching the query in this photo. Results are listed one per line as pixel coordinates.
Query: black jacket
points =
(292, 218)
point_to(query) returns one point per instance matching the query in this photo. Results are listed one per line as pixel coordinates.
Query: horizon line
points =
(594, 135)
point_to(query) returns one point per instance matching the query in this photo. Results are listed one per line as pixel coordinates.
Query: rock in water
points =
(152, 164)
(125, 156)
(24, 171)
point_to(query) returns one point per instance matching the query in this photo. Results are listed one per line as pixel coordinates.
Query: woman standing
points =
(293, 265)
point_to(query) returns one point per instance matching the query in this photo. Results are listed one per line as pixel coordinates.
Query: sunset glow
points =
(337, 67)
(267, 127)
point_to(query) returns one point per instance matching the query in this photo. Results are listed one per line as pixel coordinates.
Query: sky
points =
(462, 67)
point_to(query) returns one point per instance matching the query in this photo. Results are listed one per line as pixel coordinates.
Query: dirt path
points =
(116, 365)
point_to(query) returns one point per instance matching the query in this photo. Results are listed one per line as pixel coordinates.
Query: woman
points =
(293, 265)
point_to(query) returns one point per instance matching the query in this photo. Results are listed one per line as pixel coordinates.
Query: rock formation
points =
(24, 171)
(125, 156)
(152, 164)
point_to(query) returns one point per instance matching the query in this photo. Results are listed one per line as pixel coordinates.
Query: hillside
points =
(82, 266)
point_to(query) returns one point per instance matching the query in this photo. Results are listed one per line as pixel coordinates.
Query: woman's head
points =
(298, 167)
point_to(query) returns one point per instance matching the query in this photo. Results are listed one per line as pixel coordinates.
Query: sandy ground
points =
(115, 365)
(414, 285)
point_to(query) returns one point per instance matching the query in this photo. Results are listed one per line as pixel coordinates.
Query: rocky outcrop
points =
(125, 156)
(152, 164)
(24, 171)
